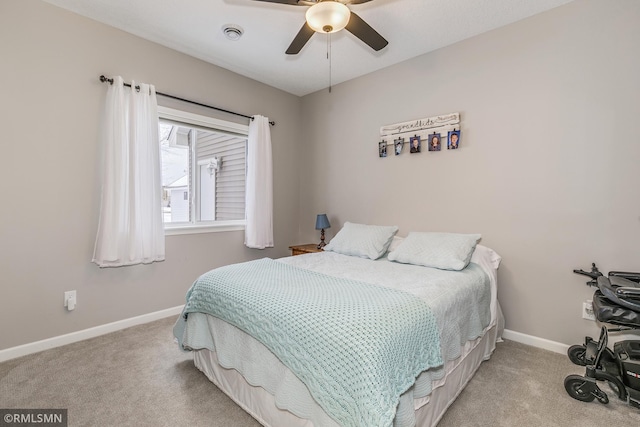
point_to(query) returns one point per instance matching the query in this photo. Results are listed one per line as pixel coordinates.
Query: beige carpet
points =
(138, 377)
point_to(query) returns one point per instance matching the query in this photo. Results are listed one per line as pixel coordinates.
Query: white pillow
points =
(364, 241)
(446, 251)
(486, 257)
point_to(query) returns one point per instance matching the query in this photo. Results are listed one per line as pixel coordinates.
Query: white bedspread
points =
(463, 311)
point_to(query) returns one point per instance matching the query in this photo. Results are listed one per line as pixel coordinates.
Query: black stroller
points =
(616, 302)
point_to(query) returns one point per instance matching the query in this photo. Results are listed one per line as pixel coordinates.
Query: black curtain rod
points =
(104, 79)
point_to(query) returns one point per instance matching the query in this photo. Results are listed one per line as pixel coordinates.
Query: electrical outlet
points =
(587, 310)
(70, 300)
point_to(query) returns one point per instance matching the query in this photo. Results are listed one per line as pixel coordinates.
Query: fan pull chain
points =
(329, 57)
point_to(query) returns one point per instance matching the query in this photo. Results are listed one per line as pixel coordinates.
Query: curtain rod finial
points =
(105, 79)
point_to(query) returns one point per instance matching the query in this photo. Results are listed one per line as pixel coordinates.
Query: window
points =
(203, 172)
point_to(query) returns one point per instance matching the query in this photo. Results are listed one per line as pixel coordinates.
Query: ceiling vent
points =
(232, 32)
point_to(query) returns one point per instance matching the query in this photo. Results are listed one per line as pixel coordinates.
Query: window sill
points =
(220, 226)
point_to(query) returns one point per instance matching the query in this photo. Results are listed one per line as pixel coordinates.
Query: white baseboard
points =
(554, 346)
(35, 347)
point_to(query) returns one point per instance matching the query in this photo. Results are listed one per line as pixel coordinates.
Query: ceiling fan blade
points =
(358, 1)
(364, 32)
(292, 2)
(300, 40)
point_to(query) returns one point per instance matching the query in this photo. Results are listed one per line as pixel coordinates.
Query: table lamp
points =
(322, 222)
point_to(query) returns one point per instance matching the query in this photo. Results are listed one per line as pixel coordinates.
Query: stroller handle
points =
(586, 273)
(594, 274)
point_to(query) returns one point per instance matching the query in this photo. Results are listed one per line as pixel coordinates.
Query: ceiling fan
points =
(329, 16)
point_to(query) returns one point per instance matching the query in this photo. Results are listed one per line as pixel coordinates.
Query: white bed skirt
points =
(261, 404)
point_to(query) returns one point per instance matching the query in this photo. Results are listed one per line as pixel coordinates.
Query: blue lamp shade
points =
(322, 222)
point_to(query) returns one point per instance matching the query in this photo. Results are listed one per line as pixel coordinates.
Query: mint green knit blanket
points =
(356, 346)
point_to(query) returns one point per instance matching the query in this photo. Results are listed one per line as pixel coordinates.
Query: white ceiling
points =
(412, 27)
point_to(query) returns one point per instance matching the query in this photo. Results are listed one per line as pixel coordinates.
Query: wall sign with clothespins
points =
(422, 134)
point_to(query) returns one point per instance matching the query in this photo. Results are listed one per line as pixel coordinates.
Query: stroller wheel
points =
(579, 388)
(576, 354)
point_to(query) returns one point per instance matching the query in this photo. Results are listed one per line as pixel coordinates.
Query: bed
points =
(412, 338)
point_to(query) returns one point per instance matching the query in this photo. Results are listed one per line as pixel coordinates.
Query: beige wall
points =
(50, 106)
(548, 169)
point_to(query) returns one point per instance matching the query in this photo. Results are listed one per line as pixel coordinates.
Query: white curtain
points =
(258, 232)
(130, 230)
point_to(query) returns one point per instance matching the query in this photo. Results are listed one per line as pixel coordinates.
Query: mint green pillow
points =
(446, 251)
(364, 241)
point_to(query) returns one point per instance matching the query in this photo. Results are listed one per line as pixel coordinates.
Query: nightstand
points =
(304, 249)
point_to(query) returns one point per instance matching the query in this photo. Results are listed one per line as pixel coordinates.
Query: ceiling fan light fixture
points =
(328, 16)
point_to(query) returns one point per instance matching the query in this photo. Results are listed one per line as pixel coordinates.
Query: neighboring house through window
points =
(203, 172)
